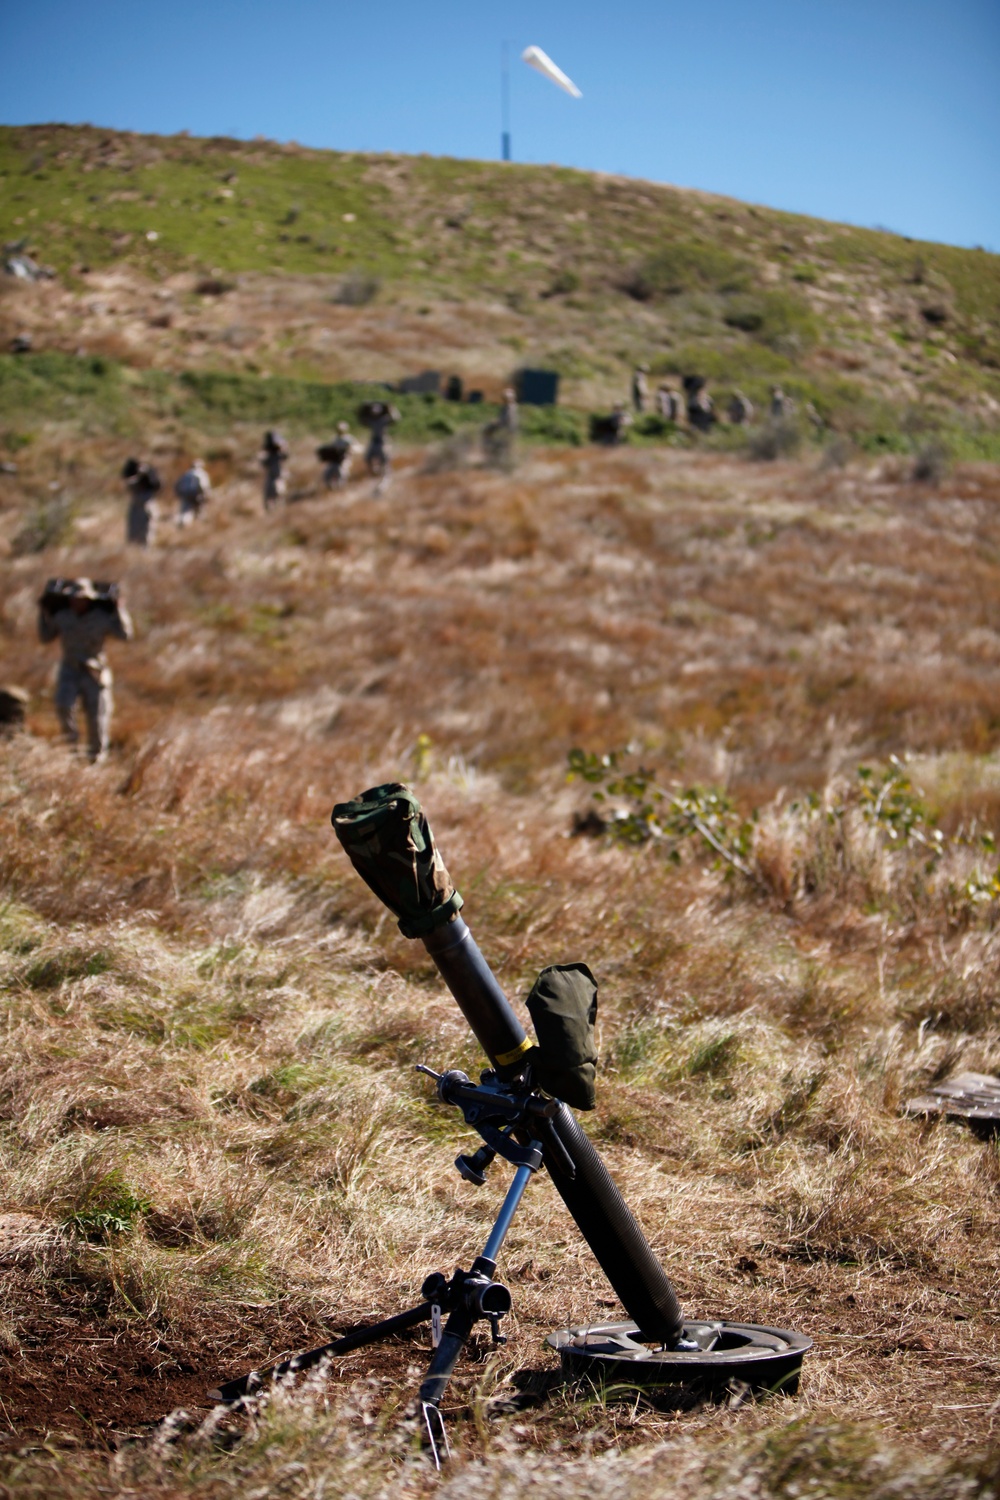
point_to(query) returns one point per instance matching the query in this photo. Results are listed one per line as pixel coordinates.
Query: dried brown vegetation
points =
(209, 1123)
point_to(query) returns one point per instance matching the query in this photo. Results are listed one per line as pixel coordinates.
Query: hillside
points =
(214, 1148)
(177, 254)
(209, 1122)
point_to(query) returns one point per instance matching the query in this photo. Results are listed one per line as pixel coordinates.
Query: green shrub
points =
(776, 439)
(110, 1207)
(553, 424)
(51, 970)
(777, 318)
(49, 523)
(563, 281)
(55, 384)
(687, 266)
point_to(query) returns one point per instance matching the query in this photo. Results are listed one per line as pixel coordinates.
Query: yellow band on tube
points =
(506, 1058)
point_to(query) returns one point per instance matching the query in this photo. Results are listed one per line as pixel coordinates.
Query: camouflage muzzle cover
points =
(386, 837)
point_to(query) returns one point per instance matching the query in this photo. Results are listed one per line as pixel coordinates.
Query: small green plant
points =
(49, 523)
(51, 970)
(777, 438)
(632, 808)
(888, 798)
(653, 812)
(111, 1208)
(358, 289)
(563, 282)
(422, 755)
(687, 266)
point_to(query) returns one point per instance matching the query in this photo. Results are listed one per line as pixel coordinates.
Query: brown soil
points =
(82, 1379)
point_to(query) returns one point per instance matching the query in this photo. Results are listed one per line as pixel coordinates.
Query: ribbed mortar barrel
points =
(610, 1229)
(601, 1213)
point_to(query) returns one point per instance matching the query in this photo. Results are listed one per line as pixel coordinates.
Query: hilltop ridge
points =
(264, 259)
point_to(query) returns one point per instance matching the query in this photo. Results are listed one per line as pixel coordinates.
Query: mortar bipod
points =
(706, 1357)
(468, 1297)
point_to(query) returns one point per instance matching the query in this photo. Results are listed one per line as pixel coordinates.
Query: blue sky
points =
(878, 112)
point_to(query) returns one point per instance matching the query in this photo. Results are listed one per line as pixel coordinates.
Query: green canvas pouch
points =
(563, 1009)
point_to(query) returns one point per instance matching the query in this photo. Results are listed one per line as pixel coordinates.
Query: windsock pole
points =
(505, 101)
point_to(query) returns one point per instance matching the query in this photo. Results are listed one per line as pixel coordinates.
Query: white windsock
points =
(542, 63)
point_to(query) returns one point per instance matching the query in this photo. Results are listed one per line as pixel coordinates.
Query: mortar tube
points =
(598, 1208)
(478, 995)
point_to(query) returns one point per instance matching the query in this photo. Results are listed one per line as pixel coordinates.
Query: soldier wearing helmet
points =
(81, 615)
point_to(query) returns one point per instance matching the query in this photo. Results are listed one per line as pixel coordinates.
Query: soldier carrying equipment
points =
(499, 436)
(192, 490)
(740, 410)
(144, 485)
(272, 458)
(378, 417)
(337, 456)
(509, 417)
(700, 406)
(81, 615)
(640, 388)
(611, 430)
(668, 404)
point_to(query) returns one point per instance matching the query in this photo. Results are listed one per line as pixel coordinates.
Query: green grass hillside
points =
(265, 260)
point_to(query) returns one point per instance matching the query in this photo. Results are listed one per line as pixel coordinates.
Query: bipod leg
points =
(369, 1333)
(475, 1295)
(437, 1436)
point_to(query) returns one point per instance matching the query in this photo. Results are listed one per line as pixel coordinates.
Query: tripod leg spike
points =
(437, 1436)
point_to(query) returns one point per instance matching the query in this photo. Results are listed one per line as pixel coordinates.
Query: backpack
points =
(334, 452)
(188, 487)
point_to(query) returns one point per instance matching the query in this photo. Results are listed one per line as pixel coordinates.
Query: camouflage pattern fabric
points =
(385, 836)
(563, 1009)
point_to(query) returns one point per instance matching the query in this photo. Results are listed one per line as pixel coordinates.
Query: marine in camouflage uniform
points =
(509, 417)
(668, 404)
(500, 435)
(192, 490)
(272, 459)
(740, 409)
(700, 406)
(612, 430)
(143, 486)
(619, 423)
(82, 624)
(640, 388)
(337, 457)
(378, 418)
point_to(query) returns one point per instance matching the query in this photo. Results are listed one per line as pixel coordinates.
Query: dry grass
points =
(207, 1102)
